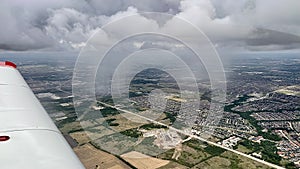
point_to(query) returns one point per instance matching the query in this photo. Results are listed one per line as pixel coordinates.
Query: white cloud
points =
(67, 24)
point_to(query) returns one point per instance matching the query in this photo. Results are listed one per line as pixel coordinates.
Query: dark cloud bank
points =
(67, 24)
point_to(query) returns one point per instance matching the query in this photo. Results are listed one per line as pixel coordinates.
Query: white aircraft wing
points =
(28, 137)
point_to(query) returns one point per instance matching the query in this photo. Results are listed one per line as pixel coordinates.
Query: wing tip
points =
(4, 138)
(8, 63)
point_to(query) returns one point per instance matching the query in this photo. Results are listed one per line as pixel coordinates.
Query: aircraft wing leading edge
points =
(28, 137)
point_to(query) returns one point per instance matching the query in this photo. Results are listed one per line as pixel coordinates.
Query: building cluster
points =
(271, 116)
(165, 139)
(256, 139)
(230, 142)
(274, 125)
(272, 102)
(289, 147)
(289, 151)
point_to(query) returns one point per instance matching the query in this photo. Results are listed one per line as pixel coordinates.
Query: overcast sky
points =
(67, 24)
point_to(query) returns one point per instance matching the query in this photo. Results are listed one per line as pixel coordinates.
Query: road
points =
(196, 137)
(285, 136)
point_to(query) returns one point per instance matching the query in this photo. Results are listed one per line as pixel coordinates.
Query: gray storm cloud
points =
(67, 24)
